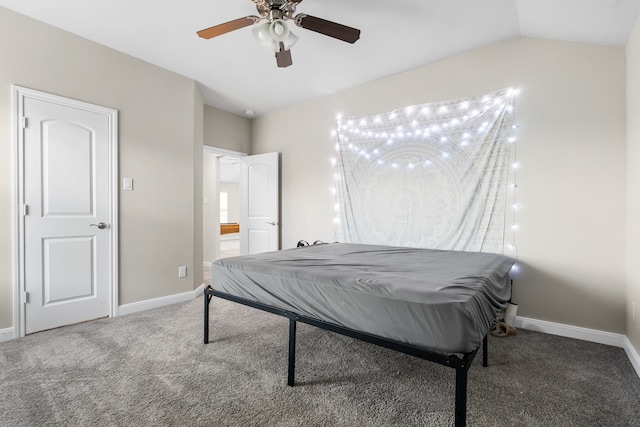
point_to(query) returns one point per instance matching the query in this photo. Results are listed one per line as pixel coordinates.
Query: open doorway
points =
(221, 204)
(241, 209)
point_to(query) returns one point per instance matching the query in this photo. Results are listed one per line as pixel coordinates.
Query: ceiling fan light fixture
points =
(290, 40)
(274, 34)
(262, 36)
(278, 30)
(271, 34)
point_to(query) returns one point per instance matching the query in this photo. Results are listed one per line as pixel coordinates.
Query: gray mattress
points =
(443, 301)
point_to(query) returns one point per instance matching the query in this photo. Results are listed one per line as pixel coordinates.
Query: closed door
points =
(260, 203)
(67, 214)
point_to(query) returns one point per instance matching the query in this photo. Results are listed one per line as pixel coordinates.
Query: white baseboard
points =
(136, 307)
(593, 335)
(6, 334)
(633, 355)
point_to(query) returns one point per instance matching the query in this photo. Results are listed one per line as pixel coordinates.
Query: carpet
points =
(152, 369)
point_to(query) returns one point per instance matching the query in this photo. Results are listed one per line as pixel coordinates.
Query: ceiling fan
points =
(275, 33)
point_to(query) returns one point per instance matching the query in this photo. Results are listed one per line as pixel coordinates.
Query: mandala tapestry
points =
(432, 176)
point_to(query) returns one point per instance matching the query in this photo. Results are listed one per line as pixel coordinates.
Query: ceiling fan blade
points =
(218, 30)
(328, 28)
(283, 58)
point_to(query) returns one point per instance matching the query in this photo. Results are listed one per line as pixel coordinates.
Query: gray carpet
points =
(151, 369)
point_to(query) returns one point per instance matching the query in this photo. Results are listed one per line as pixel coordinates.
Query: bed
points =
(433, 304)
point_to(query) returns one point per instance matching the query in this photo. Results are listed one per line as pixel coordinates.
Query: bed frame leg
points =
(292, 352)
(485, 351)
(207, 300)
(461, 397)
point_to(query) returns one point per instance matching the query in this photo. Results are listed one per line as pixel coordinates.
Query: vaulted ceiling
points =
(236, 74)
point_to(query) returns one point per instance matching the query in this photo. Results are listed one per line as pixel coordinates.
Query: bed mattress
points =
(443, 301)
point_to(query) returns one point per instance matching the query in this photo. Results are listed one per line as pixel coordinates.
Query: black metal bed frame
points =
(460, 364)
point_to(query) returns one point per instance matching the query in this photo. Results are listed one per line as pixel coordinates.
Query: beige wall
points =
(226, 130)
(159, 147)
(633, 185)
(572, 153)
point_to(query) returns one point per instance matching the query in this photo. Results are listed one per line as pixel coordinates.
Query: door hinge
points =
(25, 122)
(25, 297)
(25, 210)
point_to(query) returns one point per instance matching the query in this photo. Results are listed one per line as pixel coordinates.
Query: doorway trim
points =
(18, 95)
(223, 151)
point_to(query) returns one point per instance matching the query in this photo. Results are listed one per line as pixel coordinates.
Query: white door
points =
(67, 270)
(260, 203)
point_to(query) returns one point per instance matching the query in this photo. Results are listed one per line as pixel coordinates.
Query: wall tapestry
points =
(433, 176)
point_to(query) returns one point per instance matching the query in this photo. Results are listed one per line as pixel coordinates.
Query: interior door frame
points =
(19, 94)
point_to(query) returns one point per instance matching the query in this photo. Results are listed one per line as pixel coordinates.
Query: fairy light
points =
(516, 165)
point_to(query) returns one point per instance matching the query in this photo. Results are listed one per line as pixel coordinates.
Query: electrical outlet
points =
(182, 272)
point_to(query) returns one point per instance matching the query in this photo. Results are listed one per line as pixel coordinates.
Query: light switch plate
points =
(182, 272)
(127, 184)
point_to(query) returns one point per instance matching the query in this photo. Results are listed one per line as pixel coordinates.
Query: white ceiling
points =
(236, 74)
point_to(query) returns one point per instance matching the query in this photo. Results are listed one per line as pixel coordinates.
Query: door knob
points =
(272, 223)
(100, 225)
